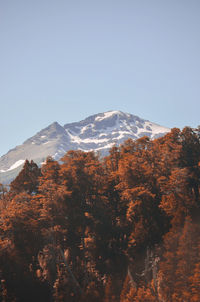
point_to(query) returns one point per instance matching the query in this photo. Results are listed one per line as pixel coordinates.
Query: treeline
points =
(119, 229)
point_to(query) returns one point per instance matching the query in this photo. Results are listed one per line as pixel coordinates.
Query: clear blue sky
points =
(63, 60)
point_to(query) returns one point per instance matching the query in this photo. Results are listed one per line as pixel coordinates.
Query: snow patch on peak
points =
(15, 165)
(107, 114)
(155, 128)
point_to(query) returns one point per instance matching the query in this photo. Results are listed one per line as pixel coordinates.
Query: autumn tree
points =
(27, 180)
(20, 242)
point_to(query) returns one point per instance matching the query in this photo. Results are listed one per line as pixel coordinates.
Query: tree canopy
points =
(121, 228)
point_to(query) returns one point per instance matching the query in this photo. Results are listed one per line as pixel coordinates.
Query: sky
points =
(64, 60)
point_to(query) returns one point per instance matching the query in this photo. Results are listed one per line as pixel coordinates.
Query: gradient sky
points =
(63, 60)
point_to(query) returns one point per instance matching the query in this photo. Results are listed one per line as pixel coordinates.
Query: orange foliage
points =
(123, 228)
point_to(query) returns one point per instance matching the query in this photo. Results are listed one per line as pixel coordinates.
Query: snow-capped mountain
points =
(98, 132)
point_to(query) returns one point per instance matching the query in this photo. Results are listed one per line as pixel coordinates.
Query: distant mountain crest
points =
(98, 132)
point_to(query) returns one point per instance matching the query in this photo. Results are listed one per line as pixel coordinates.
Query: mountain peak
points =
(110, 114)
(55, 125)
(97, 132)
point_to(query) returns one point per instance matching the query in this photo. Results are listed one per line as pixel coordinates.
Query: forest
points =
(122, 228)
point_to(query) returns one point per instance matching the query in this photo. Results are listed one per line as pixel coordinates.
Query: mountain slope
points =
(98, 132)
